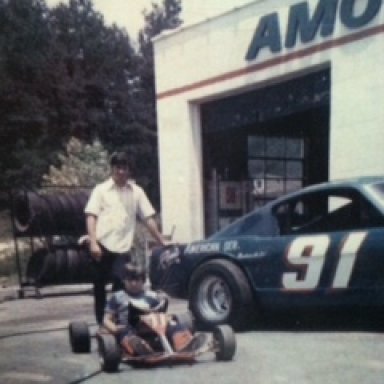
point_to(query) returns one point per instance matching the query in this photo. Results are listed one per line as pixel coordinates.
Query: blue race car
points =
(320, 247)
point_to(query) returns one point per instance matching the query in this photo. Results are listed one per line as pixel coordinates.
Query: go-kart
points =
(152, 328)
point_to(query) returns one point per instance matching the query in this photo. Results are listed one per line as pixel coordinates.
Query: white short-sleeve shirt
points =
(116, 209)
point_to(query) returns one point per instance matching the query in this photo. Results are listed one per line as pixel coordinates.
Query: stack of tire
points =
(54, 215)
(59, 265)
(50, 214)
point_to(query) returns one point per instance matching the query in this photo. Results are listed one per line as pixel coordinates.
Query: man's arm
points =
(151, 224)
(110, 324)
(94, 247)
(146, 213)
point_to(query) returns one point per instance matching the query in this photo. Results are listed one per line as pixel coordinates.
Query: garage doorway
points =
(262, 144)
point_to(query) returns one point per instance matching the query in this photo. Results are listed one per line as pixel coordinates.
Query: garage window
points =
(275, 166)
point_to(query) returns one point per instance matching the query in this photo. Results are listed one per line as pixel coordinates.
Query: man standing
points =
(111, 214)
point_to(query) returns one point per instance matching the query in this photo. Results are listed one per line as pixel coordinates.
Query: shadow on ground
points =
(355, 320)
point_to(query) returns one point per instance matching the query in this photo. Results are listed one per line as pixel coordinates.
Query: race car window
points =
(377, 190)
(326, 212)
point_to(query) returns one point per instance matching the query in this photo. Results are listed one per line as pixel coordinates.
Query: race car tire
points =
(186, 320)
(225, 342)
(219, 293)
(79, 337)
(109, 352)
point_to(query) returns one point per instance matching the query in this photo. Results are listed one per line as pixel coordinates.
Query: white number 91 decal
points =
(309, 254)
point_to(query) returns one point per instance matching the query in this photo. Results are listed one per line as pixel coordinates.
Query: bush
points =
(82, 165)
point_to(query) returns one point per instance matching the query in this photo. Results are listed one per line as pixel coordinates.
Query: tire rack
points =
(21, 279)
(47, 241)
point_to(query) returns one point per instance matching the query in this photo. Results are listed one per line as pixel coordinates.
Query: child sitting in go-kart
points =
(121, 317)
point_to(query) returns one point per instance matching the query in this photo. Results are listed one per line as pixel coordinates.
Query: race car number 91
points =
(308, 254)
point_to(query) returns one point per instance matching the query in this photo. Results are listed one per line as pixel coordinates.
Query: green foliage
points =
(63, 74)
(159, 18)
(24, 37)
(82, 165)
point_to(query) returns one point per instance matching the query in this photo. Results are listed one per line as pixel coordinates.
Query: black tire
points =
(71, 266)
(35, 265)
(109, 352)
(225, 342)
(186, 320)
(60, 272)
(79, 337)
(85, 265)
(48, 271)
(219, 293)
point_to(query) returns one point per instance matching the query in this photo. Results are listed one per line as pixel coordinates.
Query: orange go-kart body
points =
(152, 328)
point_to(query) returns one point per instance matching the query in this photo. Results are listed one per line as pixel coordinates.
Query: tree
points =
(98, 65)
(81, 165)
(24, 41)
(63, 73)
(159, 18)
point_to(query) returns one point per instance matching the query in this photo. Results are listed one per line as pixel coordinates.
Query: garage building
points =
(263, 100)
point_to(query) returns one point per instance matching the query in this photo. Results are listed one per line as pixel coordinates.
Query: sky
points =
(128, 13)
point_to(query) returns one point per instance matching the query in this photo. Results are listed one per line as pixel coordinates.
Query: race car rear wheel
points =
(109, 352)
(219, 293)
(225, 342)
(79, 337)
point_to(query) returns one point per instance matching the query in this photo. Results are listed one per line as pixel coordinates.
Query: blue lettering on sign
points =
(303, 26)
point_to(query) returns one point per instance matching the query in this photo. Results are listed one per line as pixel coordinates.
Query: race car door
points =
(328, 251)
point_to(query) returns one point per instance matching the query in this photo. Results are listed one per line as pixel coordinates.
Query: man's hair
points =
(119, 158)
(132, 271)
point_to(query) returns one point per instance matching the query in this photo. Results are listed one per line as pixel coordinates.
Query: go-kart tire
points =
(219, 293)
(186, 320)
(109, 352)
(225, 342)
(79, 337)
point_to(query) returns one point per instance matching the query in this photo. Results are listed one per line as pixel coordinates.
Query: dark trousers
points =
(108, 270)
